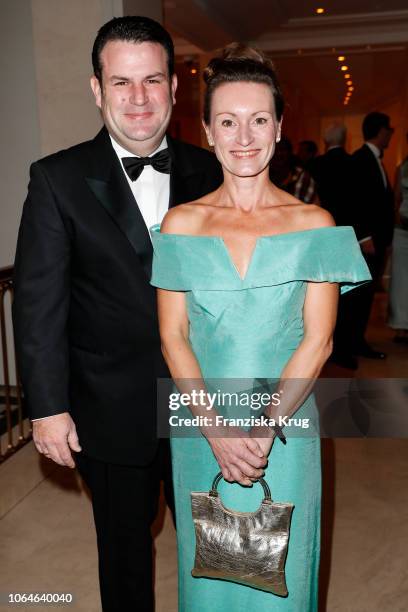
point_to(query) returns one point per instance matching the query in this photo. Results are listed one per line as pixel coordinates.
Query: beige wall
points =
(63, 34)
(20, 133)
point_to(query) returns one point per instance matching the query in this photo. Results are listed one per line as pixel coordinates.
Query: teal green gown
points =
(248, 329)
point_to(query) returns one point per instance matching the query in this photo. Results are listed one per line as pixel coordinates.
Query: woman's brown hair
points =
(238, 62)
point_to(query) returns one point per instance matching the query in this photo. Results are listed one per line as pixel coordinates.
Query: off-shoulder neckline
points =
(220, 240)
(156, 229)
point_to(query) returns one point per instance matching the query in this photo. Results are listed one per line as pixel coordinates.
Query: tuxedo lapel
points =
(109, 185)
(175, 177)
(375, 168)
(186, 178)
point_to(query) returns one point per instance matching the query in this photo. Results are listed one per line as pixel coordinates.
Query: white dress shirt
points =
(377, 154)
(152, 188)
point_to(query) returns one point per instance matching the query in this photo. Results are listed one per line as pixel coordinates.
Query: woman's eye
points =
(260, 120)
(227, 123)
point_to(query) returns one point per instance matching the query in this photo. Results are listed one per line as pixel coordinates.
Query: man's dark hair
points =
(372, 124)
(132, 29)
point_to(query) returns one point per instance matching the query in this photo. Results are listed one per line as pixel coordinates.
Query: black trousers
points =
(125, 503)
(354, 313)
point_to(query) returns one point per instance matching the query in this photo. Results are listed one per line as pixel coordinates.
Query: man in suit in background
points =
(376, 207)
(84, 312)
(334, 173)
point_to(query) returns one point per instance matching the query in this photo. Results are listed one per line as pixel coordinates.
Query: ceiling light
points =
(341, 58)
(349, 83)
(343, 68)
(193, 71)
(347, 76)
(351, 88)
(320, 11)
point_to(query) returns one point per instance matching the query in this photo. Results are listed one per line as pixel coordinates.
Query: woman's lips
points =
(245, 154)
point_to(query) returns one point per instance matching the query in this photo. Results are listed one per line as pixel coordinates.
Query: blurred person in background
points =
(375, 203)
(286, 173)
(334, 175)
(398, 303)
(306, 153)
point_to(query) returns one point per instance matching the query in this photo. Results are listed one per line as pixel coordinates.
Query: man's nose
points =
(138, 95)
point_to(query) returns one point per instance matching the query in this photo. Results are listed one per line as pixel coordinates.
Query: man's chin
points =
(142, 135)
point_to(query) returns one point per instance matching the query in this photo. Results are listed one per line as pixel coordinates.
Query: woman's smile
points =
(245, 154)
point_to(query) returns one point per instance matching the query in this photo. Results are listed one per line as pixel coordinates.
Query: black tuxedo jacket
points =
(334, 173)
(375, 200)
(84, 312)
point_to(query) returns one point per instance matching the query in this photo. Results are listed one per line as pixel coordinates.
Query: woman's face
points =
(243, 127)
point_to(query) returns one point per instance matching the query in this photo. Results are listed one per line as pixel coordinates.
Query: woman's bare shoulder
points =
(314, 217)
(183, 219)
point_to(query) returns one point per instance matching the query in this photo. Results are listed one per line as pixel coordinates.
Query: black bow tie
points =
(161, 162)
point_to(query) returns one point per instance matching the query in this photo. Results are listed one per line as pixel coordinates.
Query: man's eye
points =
(121, 83)
(151, 81)
(227, 123)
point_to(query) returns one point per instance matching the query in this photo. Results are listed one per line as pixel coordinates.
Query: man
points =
(376, 206)
(335, 180)
(84, 312)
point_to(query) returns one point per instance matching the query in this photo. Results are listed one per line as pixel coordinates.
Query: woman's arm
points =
(303, 368)
(240, 458)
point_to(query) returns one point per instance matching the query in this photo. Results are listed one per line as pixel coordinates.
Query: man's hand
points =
(55, 437)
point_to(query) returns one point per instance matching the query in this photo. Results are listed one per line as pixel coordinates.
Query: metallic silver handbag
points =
(245, 547)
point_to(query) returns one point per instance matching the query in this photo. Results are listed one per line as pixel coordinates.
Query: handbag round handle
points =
(219, 476)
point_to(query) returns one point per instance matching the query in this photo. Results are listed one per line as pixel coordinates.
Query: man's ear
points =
(173, 86)
(208, 133)
(97, 92)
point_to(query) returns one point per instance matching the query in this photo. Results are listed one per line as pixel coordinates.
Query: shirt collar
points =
(374, 149)
(122, 152)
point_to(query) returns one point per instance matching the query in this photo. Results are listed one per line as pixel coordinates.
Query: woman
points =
(398, 305)
(235, 303)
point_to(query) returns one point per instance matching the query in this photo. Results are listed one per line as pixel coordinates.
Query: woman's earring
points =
(211, 143)
(278, 139)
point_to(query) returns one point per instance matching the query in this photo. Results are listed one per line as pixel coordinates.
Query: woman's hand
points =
(264, 436)
(265, 443)
(240, 457)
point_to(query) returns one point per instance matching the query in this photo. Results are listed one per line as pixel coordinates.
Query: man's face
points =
(136, 95)
(384, 137)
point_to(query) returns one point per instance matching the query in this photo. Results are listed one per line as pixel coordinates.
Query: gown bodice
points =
(261, 315)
